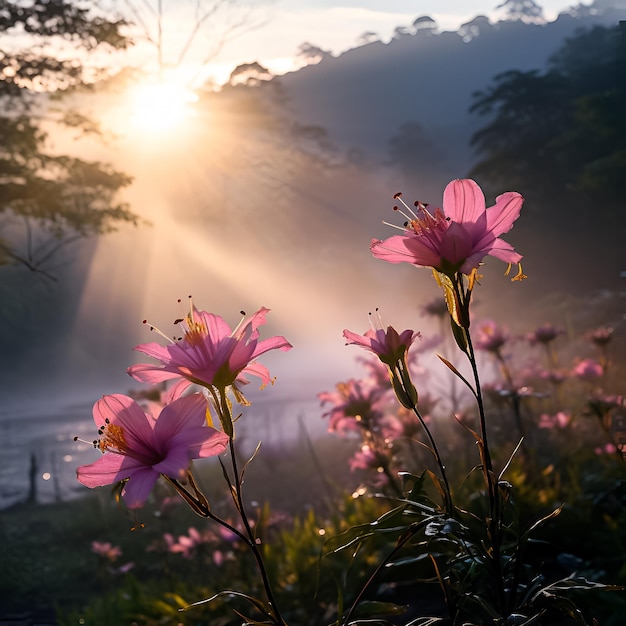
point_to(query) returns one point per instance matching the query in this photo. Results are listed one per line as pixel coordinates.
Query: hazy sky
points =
(281, 26)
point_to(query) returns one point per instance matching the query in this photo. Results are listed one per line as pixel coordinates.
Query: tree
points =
(474, 28)
(250, 74)
(311, 53)
(367, 37)
(401, 32)
(525, 10)
(549, 132)
(425, 25)
(209, 26)
(559, 136)
(49, 200)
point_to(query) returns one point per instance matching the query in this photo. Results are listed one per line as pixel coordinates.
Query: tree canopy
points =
(48, 200)
(560, 134)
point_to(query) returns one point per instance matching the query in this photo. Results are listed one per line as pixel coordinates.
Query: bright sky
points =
(335, 25)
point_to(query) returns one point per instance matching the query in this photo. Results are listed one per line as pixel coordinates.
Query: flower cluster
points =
(138, 446)
(473, 546)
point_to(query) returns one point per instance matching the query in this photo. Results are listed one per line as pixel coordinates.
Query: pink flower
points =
(559, 420)
(139, 448)
(106, 550)
(389, 346)
(544, 334)
(608, 448)
(391, 428)
(601, 336)
(189, 545)
(364, 459)
(354, 402)
(209, 352)
(458, 237)
(377, 370)
(555, 376)
(588, 369)
(490, 337)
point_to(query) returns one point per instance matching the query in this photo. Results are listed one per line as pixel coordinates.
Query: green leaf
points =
(390, 522)
(459, 335)
(372, 608)
(540, 523)
(456, 372)
(261, 606)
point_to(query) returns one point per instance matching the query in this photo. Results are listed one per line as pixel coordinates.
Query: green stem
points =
(494, 521)
(238, 498)
(463, 296)
(442, 467)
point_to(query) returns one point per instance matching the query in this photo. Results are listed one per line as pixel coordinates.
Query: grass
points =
(49, 568)
(47, 562)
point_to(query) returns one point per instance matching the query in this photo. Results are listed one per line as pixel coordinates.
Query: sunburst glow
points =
(161, 106)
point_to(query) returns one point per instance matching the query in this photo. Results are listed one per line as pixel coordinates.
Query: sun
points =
(160, 106)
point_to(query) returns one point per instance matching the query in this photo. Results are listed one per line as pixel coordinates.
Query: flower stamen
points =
(520, 274)
(398, 196)
(159, 331)
(241, 321)
(112, 438)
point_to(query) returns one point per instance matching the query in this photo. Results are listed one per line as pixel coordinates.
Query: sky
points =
(336, 25)
(273, 34)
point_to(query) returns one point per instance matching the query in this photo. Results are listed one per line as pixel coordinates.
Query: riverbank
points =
(39, 457)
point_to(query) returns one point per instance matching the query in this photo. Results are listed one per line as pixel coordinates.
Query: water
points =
(48, 436)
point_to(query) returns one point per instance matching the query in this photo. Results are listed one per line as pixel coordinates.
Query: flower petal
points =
(108, 469)
(125, 412)
(214, 445)
(138, 488)
(504, 251)
(456, 244)
(256, 369)
(181, 415)
(176, 464)
(255, 320)
(176, 391)
(502, 216)
(104, 471)
(405, 249)
(359, 340)
(148, 373)
(463, 200)
(273, 343)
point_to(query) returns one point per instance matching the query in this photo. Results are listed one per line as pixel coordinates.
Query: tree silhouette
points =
(211, 25)
(525, 10)
(311, 53)
(249, 74)
(49, 200)
(560, 135)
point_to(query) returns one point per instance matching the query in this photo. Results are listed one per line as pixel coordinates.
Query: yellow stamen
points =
(473, 278)
(520, 274)
(240, 397)
(112, 439)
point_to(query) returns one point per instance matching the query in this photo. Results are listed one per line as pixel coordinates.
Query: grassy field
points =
(47, 561)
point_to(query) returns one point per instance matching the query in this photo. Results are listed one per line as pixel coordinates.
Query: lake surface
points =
(47, 435)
